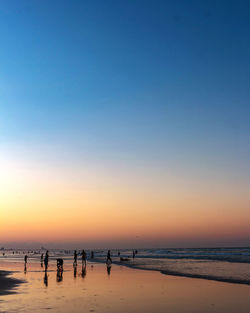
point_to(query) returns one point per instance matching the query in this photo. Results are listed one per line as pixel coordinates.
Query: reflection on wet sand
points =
(45, 279)
(59, 276)
(84, 270)
(108, 269)
(75, 269)
(144, 291)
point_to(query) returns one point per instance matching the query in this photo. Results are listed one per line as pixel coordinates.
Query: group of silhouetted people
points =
(45, 259)
(83, 256)
(45, 262)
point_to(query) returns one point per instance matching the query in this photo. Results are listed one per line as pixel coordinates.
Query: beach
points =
(118, 289)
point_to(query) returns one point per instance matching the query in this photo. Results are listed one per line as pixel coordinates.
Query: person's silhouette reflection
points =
(108, 269)
(45, 279)
(75, 269)
(59, 276)
(83, 271)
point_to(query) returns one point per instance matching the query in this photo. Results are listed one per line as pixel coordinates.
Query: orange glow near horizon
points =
(51, 206)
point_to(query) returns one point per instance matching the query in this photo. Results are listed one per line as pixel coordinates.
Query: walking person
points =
(109, 260)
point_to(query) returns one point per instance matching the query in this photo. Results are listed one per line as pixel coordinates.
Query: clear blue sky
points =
(156, 84)
(147, 75)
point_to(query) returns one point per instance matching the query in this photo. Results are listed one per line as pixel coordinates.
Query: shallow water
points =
(223, 264)
(121, 290)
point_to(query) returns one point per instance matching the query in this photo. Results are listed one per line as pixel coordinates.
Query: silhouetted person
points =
(119, 253)
(109, 260)
(75, 257)
(45, 279)
(83, 257)
(46, 260)
(133, 254)
(92, 254)
(25, 263)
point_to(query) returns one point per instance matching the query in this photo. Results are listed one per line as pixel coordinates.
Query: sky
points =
(124, 123)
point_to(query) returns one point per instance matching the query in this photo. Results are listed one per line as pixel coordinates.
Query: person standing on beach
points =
(46, 260)
(83, 257)
(75, 257)
(25, 263)
(92, 254)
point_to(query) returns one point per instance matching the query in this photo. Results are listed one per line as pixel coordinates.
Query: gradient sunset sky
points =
(125, 123)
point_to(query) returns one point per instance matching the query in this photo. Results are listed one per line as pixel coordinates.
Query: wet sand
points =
(121, 290)
(8, 284)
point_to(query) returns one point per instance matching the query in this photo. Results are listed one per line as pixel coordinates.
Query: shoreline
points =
(8, 284)
(179, 274)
